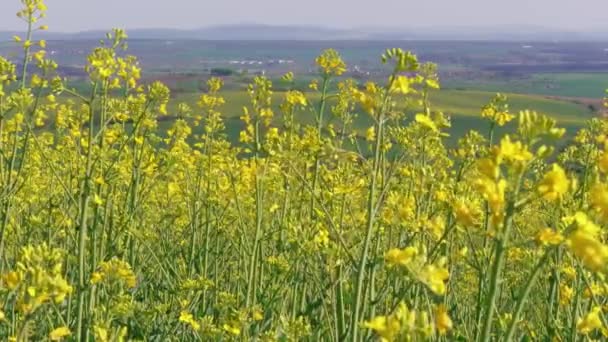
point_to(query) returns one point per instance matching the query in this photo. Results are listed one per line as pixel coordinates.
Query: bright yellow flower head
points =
(488, 168)
(493, 192)
(443, 322)
(387, 327)
(585, 244)
(465, 215)
(232, 329)
(427, 122)
(565, 294)
(549, 236)
(554, 184)
(187, 318)
(370, 134)
(330, 63)
(590, 322)
(401, 85)
(598, 197)
(434, 276)
(401, 257)
(513, 152)
(59, 334)
(295, 97)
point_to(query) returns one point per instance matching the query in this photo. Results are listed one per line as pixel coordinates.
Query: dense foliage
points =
(113, 230)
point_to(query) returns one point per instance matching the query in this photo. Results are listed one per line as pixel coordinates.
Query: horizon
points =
(500, 29)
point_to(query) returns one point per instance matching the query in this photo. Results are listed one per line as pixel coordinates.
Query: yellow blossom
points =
(513, 151)
(565, 294)
(443, 322)
(59, 334)
(598, 197)
(331, 63)
(370, 134)
(584, 243)
(232, 329)
(186, 317)
(434, 276)
(465, 215)
(554, 184)
(590, 322)
(401, 85)
(549, 236)
(427, 122)
(401, 257)
(387, 327)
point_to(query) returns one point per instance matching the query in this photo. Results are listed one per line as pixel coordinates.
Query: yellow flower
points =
(367, 102)
(569, 272)
(370, 134)
(258, 314)
(488, 168)
(554, 184)
(101, 333)
(590, 322)
(427, 122)
(598, 196)
(549, 236)
(584, 243)
(186, 317)
(401, 85)
(295, 97)
(321, 239)
(565, 294)
(388, 328)
(493, 192)
(97, 200)
(96, 277)
(59, 333)
(514, 152)
(465, 215)
(591, 252)
(401, 257)
(115, 270)
(232, 329)
(434, 276)
(12, 279)
(595, 289)
(331, 63)
(314, 85)
(443, 322)
(497, 110)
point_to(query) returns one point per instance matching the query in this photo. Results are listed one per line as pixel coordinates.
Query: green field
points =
(463, 106)
(588, 85)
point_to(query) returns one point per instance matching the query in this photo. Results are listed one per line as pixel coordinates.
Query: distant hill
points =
(271, 32)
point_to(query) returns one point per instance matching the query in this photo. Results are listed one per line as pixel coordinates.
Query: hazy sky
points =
(76, 15)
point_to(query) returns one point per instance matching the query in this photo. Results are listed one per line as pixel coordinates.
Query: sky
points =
(80, 15)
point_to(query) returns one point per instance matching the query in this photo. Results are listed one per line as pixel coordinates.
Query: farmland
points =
(537, 77)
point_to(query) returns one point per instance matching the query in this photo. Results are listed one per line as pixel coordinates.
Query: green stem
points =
(525, 293)
(369, 230)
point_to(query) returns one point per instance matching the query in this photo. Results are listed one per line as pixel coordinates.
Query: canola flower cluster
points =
(114, 229)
